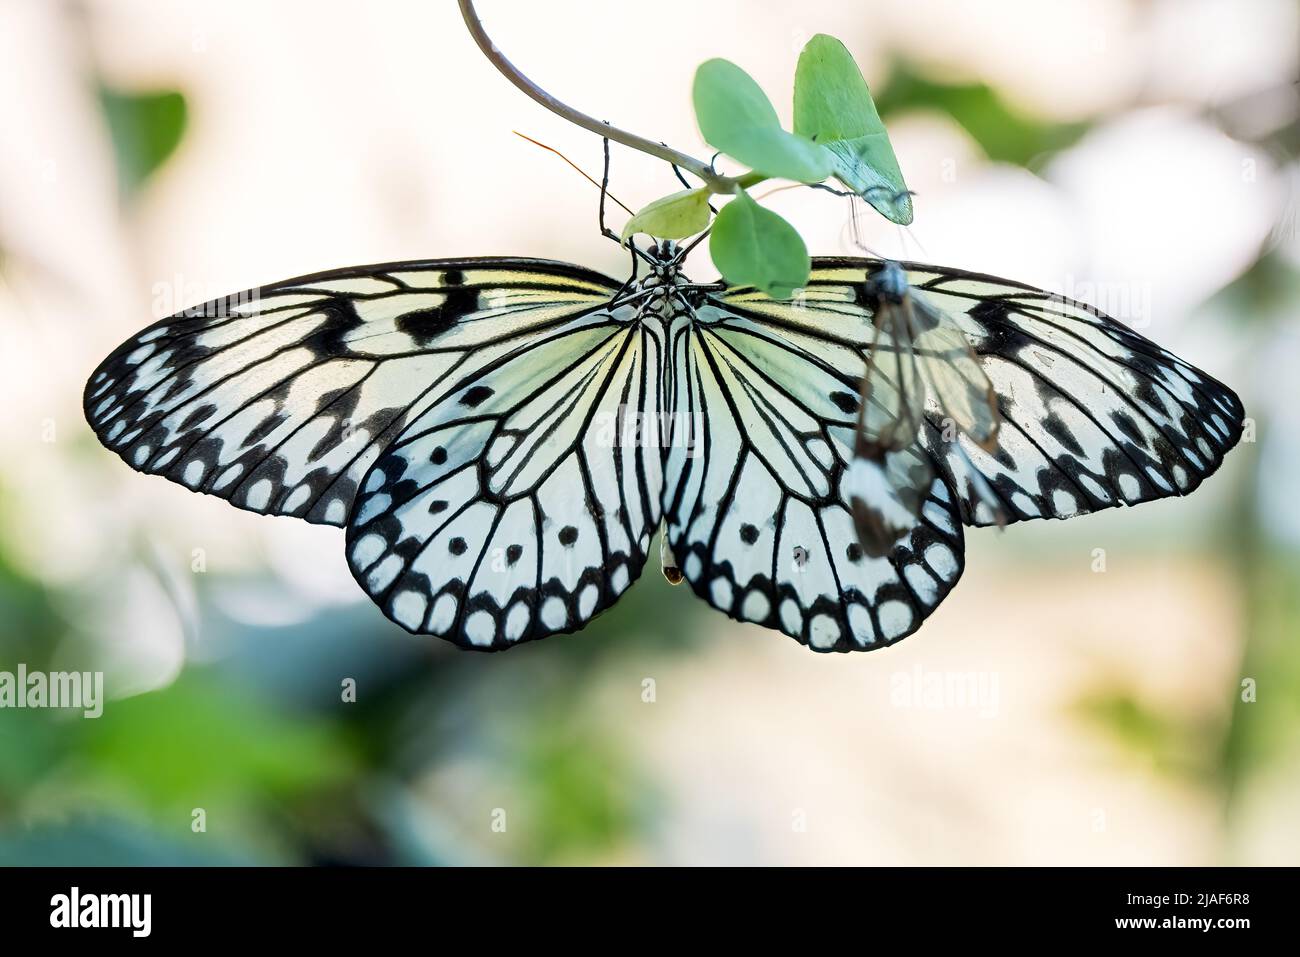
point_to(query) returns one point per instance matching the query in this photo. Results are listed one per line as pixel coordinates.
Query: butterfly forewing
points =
(280, 399)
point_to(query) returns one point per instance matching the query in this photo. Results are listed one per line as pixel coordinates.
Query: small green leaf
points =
(736, 116)
(833, 106)
(672, 217)
(146, 128)
(754, 246)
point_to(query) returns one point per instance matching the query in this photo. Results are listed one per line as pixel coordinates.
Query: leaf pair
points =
(837, 129)
(736, 117)
(837, 132)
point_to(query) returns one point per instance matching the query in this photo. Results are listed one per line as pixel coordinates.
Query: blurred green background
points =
(159, 154)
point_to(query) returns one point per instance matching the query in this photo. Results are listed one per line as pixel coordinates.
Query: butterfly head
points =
(659, 286)
(889, 282)
(665, 259)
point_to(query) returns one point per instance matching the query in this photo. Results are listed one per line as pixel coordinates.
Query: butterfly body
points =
(502, 438)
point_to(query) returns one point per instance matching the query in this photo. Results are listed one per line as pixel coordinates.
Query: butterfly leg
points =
(605, 230)
(609, 233)
(604, 192)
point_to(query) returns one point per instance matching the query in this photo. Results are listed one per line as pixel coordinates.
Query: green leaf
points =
(146, 128)
(833, 106)
(754, 246)
(867, 166)
(672, 217)
(736, 116)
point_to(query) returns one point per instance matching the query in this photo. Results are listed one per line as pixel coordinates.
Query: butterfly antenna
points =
(906, 233)
(777, 189)
(856, 201)
(603, 187)
(855, 227)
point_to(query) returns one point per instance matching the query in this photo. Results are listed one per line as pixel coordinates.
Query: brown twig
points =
(715, 181)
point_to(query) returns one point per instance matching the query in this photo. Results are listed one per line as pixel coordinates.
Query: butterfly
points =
(502, 438)
(918, 355)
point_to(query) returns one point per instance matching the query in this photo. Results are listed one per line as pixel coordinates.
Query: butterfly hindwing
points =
(521, 502)
(280, 399)
(757, 514)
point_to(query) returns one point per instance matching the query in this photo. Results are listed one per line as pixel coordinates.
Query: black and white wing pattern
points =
(462, 418)
(764, 399)
(491, 433)
(1093, 415)
(279, 399)
(522, 500)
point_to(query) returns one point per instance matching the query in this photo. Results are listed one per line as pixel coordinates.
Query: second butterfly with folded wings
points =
(919, 357)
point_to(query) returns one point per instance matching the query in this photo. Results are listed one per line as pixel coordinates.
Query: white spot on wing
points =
(620, 579)
(409, 607)
(444, 613)
(259, 494)
(516, 621)
(385, 573)
(925, 587)
(940, 557)
(480, 628)
(554, 614)
(791, 616)
(297, 498)
(692, 566)
(193, 473)
(860, 621)
(1063, 503)
(824, 632)
(587, 601)
(895, 619)
(367, 549)
(756, 606)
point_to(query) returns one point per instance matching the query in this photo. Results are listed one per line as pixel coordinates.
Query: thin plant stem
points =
(716, 182)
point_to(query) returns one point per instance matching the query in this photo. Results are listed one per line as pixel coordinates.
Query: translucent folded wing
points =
(893, 394)
(1092, 414)
(955, 380)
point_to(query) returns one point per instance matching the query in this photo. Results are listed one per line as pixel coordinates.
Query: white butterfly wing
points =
(1093, 415)
(489, 431)
(280, 399)
(522, 501)
(766, 396)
